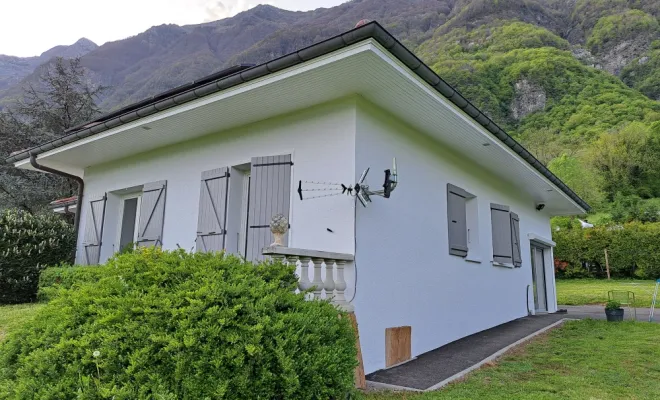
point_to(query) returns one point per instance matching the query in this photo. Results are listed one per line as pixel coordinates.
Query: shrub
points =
(612, 305)
(28, 243)
(54, 279)
(633, 251)
(173, 325)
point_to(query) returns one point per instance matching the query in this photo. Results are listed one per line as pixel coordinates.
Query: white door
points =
(539, 281)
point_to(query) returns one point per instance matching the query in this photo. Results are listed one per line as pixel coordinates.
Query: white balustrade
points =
(333, 288)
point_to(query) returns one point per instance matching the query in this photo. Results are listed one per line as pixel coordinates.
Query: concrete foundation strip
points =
(459, 375)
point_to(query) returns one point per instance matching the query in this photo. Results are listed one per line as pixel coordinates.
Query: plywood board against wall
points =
(398, 345)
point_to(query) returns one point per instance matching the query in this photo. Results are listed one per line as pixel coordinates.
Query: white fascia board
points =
(489, 137)
(257, 83)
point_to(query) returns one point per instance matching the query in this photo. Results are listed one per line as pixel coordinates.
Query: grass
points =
(582, 360)
(574, 292)
(12, 317)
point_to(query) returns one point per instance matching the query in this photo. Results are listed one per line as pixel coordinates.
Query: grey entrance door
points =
(538, 273)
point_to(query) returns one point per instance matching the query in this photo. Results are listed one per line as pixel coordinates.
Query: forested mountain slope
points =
(577, 81)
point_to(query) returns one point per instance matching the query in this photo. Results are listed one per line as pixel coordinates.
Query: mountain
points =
(14, 69)
(576, 81)
(169, 55)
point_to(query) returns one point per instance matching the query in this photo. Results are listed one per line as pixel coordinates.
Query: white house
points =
(462, 244)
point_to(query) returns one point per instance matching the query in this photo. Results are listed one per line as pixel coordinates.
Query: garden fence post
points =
(607, 265)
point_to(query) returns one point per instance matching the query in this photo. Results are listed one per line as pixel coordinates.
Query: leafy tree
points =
(634, 208)
(619, 27)
(63, 98)
(580, 177)
(643, 74)
(628, 160)
(547, 144)
(28, 244)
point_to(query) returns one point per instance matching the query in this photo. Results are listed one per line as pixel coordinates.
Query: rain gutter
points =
(79, 180)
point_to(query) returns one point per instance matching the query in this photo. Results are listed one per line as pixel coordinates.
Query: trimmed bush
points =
(174, 325)
(633, 251)
(53, 279)
(28, 243)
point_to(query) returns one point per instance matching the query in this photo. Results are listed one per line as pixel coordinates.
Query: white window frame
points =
(120, 218)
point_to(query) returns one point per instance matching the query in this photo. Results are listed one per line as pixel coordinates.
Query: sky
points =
(28, 28)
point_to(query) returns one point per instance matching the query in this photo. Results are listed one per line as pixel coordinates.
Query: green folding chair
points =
(626, 298)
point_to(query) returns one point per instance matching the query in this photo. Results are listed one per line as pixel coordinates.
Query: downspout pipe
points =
(81, 188)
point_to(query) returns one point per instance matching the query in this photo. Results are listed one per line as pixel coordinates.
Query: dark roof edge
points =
(372, 30)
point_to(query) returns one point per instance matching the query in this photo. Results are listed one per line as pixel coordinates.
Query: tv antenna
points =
(358, 190)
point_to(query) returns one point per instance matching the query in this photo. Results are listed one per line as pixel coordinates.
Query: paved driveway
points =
(598, 312)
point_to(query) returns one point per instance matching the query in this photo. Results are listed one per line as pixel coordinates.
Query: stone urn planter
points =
(279, 225)
(613, 311)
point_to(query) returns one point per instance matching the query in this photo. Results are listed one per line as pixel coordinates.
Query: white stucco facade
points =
(406, 276)
(321, 141)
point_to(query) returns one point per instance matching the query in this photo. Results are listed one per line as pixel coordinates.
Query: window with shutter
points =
(212, 220)
(457, 220)
(152, 214)
(515, 240)
(270, 194)
(501, 226)
(92, 239)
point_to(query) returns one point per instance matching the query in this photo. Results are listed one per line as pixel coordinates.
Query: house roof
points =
(238, 75)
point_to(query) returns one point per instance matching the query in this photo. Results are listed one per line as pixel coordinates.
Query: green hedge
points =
(54, 279)
(633, 251)
(174, 325)
(29, 243)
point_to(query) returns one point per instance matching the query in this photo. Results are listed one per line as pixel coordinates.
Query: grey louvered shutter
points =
(92, 240)
(457, 220)
(515, 240)
(501, 225)
(152, 214)
(212, 220)
(270, 194)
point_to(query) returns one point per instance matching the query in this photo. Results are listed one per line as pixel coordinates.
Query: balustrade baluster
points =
(329, 282)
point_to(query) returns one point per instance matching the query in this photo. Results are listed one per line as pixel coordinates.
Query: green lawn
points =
(574, 292)
(12, 317)
(581, 360)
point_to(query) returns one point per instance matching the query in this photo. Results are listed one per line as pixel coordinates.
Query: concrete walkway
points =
(430, 369)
